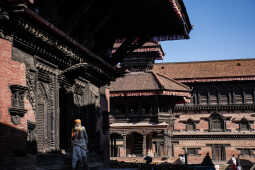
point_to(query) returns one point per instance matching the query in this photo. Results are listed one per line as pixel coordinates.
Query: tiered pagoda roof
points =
(148, 84)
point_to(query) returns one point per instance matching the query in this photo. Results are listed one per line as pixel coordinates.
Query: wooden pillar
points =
(114, 147)
(124, 145)
(144, 145)
(111, 146)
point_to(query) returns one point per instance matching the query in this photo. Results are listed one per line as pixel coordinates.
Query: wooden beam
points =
(127, 47)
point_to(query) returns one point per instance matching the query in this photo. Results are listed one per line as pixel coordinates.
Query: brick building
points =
(219, 120)
(56, 60)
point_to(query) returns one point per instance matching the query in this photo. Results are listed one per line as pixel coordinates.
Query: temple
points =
(57, 58)
(142, 104)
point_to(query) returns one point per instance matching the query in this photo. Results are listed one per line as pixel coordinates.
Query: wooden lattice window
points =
(17, 109)
(213, 97)
(223, 97)
(218, 152)
(190, 125)
(244, 125)
(203, 98)
(216, 123)
(238, 96)
(249, 96)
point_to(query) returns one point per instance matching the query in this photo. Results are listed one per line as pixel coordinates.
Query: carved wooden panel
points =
(238, 96)
(223, 97)
(203, 97)
(40, 127)
(213, 98)
(249, 96)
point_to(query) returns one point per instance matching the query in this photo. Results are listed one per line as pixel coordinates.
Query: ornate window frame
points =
(17, 109)
(221, 119)
(245, 121)
(190, 122)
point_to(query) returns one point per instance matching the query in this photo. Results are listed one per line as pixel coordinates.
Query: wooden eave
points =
(112, 20)
(150, 93)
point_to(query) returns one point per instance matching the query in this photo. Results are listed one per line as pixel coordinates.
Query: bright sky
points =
(223, 29)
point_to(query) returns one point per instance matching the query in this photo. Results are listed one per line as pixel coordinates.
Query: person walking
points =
(233, 162)
(80, 142)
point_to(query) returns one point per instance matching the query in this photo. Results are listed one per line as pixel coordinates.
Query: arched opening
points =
(134, 145)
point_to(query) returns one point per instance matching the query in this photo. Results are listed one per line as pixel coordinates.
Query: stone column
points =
(124, 145)
(144, 145)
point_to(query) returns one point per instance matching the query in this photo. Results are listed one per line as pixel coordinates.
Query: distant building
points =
(219, 120)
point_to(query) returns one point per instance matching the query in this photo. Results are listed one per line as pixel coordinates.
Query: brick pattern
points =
(202, 127)
(11, 73)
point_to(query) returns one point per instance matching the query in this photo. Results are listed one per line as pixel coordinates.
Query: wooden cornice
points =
(211, 108)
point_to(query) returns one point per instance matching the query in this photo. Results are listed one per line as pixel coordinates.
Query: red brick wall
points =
(12, 136)
(202, 126)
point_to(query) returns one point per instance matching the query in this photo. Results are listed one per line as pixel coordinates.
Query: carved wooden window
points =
(190, 125)
(216, 123)
(244, 125)
(17, 98)
(193, 151)
(17, 103)
(218, 152)
(203, 98)
(249, 96)
(238, 96)
(213, 97)
(223, 97)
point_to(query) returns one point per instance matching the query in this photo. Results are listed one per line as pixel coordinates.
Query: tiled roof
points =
(149, 81)
(150, 46)
(208, 69)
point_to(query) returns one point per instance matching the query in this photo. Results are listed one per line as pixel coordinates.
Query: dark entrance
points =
(135, 145)
(66, 104)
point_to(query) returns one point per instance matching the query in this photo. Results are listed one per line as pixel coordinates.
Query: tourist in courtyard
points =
(233, 162)
(80, 141)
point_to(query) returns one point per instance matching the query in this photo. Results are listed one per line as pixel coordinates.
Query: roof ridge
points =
(206, 61)
(161, 85)
(173, 80)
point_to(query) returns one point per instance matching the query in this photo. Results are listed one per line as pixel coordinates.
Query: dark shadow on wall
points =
(90, 116)
(14, 145)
